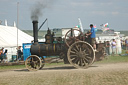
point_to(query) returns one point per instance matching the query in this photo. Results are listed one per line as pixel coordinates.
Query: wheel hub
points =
(81, 54)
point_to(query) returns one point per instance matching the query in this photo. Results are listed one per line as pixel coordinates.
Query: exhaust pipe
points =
(35, 31)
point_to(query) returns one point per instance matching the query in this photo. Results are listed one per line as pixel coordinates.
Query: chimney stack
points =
(35, 31)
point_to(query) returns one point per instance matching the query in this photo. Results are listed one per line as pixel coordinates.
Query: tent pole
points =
(17, 26)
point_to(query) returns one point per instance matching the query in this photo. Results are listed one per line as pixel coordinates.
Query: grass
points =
(4, 68)
(111, 59)
(114, 59)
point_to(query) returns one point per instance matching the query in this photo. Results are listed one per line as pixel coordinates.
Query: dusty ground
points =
(97, 74)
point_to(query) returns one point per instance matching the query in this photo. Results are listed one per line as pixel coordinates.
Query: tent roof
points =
(8, 37)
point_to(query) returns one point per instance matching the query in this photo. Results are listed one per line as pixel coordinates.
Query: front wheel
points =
(33, 62)
(42, 62)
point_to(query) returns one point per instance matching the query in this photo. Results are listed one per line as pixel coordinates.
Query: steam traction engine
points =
(73, 49)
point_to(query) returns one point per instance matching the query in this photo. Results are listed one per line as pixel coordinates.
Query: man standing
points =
(113, 46)
(126, 43)
(20, 53)
(108, 47)
(93, 36)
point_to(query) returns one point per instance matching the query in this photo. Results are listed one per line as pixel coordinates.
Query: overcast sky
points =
(65, 13)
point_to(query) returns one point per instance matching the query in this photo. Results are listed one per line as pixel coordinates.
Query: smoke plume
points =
(38, 9)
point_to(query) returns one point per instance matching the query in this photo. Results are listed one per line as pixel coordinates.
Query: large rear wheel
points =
(81, 54)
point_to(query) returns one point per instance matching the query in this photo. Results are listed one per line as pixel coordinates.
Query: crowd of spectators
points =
(113, 45)
(3, 55)
(124, 44)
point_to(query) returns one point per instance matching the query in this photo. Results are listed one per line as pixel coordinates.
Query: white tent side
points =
(8, 39)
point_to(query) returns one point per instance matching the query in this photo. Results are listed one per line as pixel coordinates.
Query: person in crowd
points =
(1, 54)
(126, 43)
(93, 36)
(5, 56)
(1, 58)
(108, 47)
(113, 46)
(20, 53)
(100, 42)
(123, 44)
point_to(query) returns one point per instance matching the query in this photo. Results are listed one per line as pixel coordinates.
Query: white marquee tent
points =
(8, 39)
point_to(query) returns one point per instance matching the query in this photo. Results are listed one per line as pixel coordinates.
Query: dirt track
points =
(97, 74)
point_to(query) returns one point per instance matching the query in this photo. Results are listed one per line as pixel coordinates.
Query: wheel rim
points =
(70, 39)
(81, 54)
(42, 62)
(33, 62)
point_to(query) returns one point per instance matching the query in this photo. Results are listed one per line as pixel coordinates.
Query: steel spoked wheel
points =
(33, 62)
(42, 62)
(72, 36)
(81, 54)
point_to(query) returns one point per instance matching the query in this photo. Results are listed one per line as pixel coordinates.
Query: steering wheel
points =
(73, 36)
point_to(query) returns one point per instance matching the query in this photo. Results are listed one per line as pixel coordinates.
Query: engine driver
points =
(93, 36)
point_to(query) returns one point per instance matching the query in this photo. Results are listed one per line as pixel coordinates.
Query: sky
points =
(65, 13)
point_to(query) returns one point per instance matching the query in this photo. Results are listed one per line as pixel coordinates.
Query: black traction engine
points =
(72, 49)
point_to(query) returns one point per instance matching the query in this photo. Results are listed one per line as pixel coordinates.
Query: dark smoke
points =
(38, 9)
